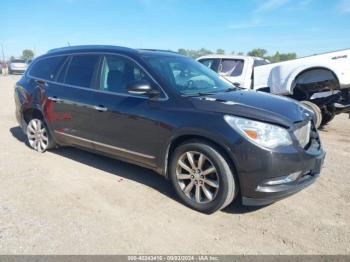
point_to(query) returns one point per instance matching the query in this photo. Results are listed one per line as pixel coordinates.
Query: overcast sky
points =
(302, 26)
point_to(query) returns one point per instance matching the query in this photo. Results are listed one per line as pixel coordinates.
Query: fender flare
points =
(291, 82)
(192, 134)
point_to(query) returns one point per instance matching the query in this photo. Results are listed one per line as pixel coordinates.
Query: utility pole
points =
(3, 53)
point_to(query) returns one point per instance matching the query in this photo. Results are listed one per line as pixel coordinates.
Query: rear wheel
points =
(202, 177)
(38, 136)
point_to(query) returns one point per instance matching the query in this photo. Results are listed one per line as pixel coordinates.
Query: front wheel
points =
(38, 136)
(202, 177)
(328, 113)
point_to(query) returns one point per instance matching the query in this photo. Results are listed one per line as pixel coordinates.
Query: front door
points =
(124, 125)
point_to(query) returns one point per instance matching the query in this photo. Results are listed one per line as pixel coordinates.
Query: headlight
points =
(263, 134)
(303, 134)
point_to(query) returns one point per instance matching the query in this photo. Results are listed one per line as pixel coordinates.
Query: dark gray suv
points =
(166, 112)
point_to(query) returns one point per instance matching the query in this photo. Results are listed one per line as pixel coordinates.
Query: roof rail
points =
(77, 47)
(159, 50)
(62, 48)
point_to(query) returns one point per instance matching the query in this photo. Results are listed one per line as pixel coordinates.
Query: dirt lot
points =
(70, 201)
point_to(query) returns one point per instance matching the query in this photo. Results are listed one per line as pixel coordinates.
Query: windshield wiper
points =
(200, 94)
(230, 89)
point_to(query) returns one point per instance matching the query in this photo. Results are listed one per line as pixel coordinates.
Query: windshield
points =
(187, 76)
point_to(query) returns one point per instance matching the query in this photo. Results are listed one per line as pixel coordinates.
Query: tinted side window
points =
(231, 67)
(62, 72)
(259, 62)
(47, 68)
(81, 70)
(117, 72)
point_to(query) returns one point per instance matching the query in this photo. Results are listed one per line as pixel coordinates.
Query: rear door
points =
(70, 104)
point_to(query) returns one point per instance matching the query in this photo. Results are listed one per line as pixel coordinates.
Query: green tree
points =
(259, 52)
(182, 51)
(279, 57)
(275, 58)
(288, 56)
(202, 52)
(27, 54)
(220, 51)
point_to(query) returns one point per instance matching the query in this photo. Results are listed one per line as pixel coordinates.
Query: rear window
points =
(47, 68)
(81, 70)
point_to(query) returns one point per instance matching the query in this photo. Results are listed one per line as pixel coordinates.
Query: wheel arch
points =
(30, 113)
(219, 145)
(328, 74)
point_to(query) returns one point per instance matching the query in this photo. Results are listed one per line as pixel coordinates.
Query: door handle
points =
(54, 99)
(100, 108)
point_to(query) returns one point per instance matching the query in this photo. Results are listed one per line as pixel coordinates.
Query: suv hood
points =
(255, 105)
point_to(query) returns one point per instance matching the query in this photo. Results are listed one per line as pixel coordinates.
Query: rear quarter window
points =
(47, 68)
(81, 70)
(259, 62)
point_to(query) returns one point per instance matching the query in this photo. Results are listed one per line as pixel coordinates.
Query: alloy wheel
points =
(37, 135)
(197, 177)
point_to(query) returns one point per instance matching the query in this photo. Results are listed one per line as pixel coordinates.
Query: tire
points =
(38, 136)
(316, 110)
(328, 113)
(217, 188)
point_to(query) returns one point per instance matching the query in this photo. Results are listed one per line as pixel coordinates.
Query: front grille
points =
(303, 134)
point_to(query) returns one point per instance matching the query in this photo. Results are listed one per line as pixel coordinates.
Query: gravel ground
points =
(68, 201)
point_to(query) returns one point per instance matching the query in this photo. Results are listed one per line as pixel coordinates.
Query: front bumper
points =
(257, 167)
(274, 193)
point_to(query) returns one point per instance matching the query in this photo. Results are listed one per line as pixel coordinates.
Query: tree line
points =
(28, 54)
(259, 52)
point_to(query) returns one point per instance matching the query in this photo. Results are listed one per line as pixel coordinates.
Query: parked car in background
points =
(321, 82)
(169, 113)
(17, 65)
(3, 68)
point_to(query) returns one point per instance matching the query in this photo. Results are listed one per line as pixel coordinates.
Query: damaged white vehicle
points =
(321, 82)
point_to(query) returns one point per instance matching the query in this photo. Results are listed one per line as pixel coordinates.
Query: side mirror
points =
(142, 87)
(236, 84)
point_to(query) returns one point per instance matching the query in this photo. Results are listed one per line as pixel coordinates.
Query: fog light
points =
(283, 180)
